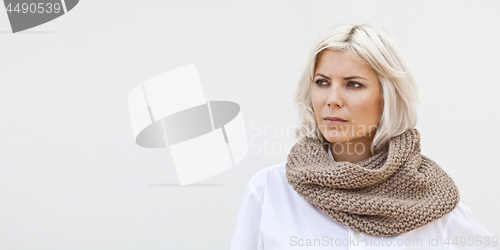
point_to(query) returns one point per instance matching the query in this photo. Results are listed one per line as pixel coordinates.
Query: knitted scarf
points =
(387, 194)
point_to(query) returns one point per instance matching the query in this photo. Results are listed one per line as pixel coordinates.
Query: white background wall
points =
(71, 176)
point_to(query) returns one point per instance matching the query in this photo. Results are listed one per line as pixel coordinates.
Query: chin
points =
(333, 133)
(336, 139)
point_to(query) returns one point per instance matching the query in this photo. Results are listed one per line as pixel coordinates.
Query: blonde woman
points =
(356, 179)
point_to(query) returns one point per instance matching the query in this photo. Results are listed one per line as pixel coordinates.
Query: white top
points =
(272, 216)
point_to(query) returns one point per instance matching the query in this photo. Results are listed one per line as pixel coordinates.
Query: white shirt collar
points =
(330, 152)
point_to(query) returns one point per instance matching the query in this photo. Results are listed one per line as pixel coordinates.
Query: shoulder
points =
(461, 221)
(266, 177)
(461, 213)
(462, 210)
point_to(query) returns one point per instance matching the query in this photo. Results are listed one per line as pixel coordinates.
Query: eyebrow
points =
(345, 78)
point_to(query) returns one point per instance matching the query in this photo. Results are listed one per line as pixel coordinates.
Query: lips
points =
(336, 118)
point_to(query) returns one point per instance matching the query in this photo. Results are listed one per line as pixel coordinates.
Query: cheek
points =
(368, 111)
(315, 100)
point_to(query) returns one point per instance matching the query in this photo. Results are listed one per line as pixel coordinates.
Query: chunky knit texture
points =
(390, 193)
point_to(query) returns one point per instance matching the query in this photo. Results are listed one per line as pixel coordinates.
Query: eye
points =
(320, 82)
(355, 84)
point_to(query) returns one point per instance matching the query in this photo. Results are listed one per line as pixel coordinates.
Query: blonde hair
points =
(374, 47)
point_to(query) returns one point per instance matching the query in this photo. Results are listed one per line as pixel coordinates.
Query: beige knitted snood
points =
(390, 193)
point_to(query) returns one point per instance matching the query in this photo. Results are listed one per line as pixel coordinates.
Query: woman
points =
(356, 178)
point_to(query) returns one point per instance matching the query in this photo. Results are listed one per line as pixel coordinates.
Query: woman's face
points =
(352, 90)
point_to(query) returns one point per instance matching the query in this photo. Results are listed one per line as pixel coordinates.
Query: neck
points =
(352, 151)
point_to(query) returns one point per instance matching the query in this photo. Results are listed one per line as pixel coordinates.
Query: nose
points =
(335, 97)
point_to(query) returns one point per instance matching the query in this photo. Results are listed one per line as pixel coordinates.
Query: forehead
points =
(341, 63)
